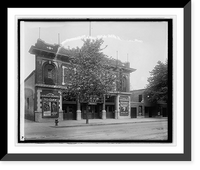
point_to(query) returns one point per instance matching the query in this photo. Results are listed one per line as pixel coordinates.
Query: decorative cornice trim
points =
(50, 86)
(118, 92)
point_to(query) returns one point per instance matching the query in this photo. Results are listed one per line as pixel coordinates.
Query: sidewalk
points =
(95, 122)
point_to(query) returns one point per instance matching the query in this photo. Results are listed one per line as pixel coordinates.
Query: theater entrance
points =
(69, 111)
(94, 111)
(133, 112)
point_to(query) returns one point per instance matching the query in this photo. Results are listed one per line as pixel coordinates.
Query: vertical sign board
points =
(124, 105)
(50, 104)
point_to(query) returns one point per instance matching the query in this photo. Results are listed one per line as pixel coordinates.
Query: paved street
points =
(148, 129)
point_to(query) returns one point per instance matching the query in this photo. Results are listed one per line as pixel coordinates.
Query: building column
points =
(78, 111)
(129, 106)
(38, 111)
(138, 116)
(60, 102)
(117, 107)
(143, 110)
(60, 107)
(104, 108)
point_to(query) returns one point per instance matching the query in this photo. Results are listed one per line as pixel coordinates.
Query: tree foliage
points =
(89, 72)
(157, 88)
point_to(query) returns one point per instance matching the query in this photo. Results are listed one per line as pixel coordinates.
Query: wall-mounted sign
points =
(50, 94)
(124, 105)
(94, 100)
(92, 103)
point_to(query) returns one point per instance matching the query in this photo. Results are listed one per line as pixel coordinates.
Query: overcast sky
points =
(143, 44)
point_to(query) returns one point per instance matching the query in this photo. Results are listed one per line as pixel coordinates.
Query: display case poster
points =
(54, 108)
(124, 108)
(46, 108)
(50, 107)
(124, 105)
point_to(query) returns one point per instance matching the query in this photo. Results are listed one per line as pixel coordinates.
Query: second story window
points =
(49, 74)
(124, 84)
(140, 98)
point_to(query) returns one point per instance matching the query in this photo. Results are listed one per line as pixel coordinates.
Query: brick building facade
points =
(45, 86)
(141, 107)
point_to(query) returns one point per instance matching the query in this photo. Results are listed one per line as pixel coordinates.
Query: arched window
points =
(49, 74)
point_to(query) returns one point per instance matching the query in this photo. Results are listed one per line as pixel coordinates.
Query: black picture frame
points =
(186, 156)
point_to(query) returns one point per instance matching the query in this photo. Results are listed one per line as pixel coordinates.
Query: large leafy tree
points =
(90, 74)
(157, 88)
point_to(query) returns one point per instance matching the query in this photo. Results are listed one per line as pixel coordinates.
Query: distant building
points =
(141, 107)
(45, 86)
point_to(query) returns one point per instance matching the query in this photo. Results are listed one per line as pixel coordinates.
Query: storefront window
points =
(140, 98)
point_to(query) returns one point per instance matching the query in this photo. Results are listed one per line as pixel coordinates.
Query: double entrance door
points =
(94, 111)
(69, 112)
(133, 112)
(110, 111)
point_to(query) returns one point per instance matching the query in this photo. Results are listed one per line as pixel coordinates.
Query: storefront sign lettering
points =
(94, 100)
(50, 99)
(92, 103)
(50, 95)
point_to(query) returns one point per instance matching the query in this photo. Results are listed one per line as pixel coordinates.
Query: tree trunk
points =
(87, 120)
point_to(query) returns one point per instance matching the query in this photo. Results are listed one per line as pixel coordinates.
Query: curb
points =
(100, 124)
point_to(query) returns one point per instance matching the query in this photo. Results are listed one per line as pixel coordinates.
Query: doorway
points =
(69, 112)
(93, 111)
(110, 111)
(140, 111)
(164, 112)
(133, 112)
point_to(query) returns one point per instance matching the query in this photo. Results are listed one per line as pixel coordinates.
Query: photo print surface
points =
(96, 80)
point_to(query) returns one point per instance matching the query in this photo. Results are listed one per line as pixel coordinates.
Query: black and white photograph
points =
(95, 80)
(98, 84)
